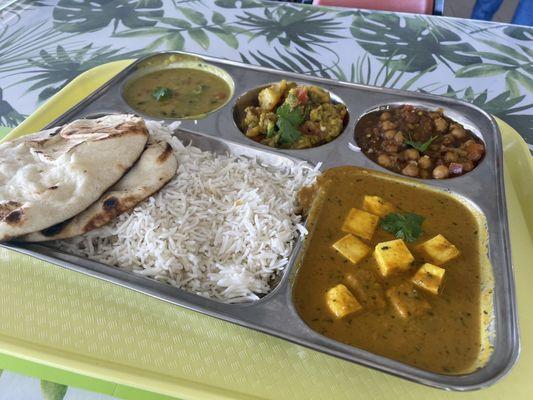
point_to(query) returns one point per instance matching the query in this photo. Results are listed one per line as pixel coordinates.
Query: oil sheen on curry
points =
(393, 269)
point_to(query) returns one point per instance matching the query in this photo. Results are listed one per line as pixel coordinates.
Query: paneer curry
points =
(292, 116)
(393, 269)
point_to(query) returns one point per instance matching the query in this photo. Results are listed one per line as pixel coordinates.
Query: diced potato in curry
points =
(393, 256)
(360, 223)
(429, 277)
(438, 250)
(270, 96)
(352, 248)
(407, 301)
(366, 288)
(341, 301)
(378, 206)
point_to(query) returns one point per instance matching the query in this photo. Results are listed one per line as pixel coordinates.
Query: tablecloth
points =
(44, 44)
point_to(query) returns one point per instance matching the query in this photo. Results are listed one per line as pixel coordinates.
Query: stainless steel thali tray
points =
(275, 313)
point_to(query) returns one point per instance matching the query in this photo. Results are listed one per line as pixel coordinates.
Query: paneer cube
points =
(341, 301)
(360, 223)
(351, 248)
(429, 277)
(366, 288)
(438, 250)
(378, 206)
(407, 301)
(393, 256)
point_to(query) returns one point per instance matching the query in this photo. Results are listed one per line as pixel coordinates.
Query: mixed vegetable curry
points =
(418, 143)
(177, 93)
(393, 269)
(291, 116)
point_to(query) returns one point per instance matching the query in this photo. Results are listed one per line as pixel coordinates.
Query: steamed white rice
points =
(221, 228)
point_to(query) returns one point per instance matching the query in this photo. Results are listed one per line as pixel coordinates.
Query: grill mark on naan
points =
(55, 229)
(11, 212)
(111, 208)
(165, 154)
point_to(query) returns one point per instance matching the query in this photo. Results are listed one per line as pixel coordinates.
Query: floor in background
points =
(463, 9)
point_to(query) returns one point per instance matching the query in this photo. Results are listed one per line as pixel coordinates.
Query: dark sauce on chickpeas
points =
(418, 143)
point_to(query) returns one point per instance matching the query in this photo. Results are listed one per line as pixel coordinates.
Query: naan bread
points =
(156, 166)
(53, 175)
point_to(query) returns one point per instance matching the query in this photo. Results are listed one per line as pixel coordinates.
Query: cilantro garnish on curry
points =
(406, 226)
(294, 117)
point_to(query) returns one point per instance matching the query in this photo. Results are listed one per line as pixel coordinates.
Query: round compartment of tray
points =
(146, 100)
(250, 99)
(457, 149)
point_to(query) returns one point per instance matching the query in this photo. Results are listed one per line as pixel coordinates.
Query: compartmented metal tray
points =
(275, 313)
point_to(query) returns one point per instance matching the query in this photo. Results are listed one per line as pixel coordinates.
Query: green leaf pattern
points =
(403, 51)
(67, 37)
(53, 391)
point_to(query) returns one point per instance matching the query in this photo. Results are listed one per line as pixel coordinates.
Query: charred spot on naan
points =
(112, 207)
(165, 154)
(11, 212)
(7, 207)
(55, 229)
(42, 139)
(110, 204)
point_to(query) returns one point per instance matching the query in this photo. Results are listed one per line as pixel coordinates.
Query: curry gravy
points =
(445, 340)
(193, 93)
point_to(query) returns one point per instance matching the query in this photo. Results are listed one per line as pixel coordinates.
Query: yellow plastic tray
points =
(66, 320)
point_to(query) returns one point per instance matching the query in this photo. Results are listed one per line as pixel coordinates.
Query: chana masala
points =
(418, 143)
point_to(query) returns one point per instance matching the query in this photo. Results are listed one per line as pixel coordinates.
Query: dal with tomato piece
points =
(392, 269)
(292, 116)
(177, 93)
(418, 143)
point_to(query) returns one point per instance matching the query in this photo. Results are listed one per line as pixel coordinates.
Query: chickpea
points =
(425, 162)
(411, 154)
(440, 172)
(458, 132)
(385, 116)
(399, 138)
(390, 147)
(475, 151)
(411, 169)
(440, 124)
(425, 174)
(448, 139)
(385, 161)
(451, 156)
(389, 134)
(461, 153)
(387, 125)
(468, 166)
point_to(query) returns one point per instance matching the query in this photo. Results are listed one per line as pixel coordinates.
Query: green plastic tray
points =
(73, 329)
